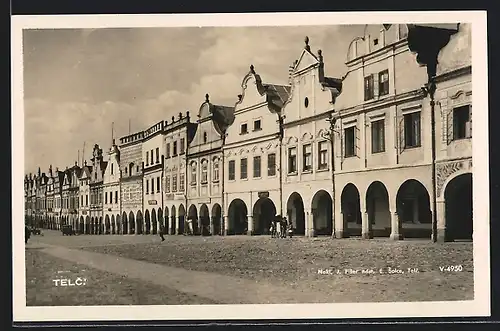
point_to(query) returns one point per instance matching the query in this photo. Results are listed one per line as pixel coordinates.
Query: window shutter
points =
(375, 85)
(357, 134)
(449, 126)
(469, 131)
(401, 133)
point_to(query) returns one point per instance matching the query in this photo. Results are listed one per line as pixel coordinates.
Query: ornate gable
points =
(307, 60)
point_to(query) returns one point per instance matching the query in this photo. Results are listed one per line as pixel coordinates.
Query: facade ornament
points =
(252, 69)
(207, 98)
(307, 47)
(446, 170)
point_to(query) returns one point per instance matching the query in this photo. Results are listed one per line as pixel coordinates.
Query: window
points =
(256, 125)
(204, 172)
(86, 200)
(215, 170)
(152, 157)
(183, 143)
(350, 137)
(174, 183)
(306, 102)
(111, 168)
(369, 91)
(152, 185)
(126, 172)
(378, 136)
(181, 182)
(375, 41)
(168, 150)
(157, 184)
(462, 123)
(174, 149)
(131, 167)
(193, 173)
(307, 157)
(167, 184)
(106, 197)
(323, 155)
(244, 128)
(243, 168)
(256, 166)
(80, 199)
(292, 160)
(147, 158)
(412, 130)
(157, 155)
(205, 137)
(116, 196)
(383, 83)
(137, 169)
(147, 186)
(231, 170)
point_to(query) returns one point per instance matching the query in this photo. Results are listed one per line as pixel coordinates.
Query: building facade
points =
(176, 136)
(96, 191)
(204, 159)
(153, 159)
(84, 193)
(252, 188)
(131, 182)
(58, 183)
(307, 149)
(111, 191)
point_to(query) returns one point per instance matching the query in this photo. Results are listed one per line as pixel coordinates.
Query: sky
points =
(77, 82)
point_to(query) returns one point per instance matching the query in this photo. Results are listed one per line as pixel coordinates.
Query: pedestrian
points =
(162, 232)
(27, 234)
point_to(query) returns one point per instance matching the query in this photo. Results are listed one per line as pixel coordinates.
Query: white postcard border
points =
(480, 306)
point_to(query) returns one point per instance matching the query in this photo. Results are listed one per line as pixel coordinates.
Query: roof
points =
(104, 165)
(277, 94)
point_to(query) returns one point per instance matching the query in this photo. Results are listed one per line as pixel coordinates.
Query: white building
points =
(204, 160)
(84, 192)
(307, 167)
(111, 190)
(252, 190)
(153, 158)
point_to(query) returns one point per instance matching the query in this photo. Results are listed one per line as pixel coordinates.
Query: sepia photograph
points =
(244, 166)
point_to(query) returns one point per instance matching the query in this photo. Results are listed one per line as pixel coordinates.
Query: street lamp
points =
(330, 136)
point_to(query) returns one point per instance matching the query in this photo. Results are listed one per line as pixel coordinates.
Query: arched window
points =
(193, 173)
(204, 171)
(130, 168)
(215, 169)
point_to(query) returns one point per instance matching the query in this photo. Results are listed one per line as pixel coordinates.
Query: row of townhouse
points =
(349, 156)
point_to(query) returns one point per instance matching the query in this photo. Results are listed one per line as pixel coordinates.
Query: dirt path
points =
(216, 287)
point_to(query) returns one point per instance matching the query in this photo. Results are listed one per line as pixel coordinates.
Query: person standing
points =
(162, 232)
(27, 234)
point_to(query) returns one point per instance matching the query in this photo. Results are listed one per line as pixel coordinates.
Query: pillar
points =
(441, 221)
(250, 230)
(211, 229)
(396, 233)
(310, 223)
(339, 225)
(366, 224)
(177, 222)
(226, 225)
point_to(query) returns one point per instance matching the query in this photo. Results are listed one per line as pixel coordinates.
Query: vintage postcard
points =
(250, 166)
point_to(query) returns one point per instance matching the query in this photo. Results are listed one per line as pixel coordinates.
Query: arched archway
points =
(181, 216)
(91, 226)
(413, 209)
(107, 224)
(154, 225)
(81, 228)
(351, 210)
(101, 225)
(295, 213)
(173, 220)
(139, 223)
(458, 208)
(264, 211)
(193, 220)
(125, 223)
(160, 220)
(204, 221)
(117, 224)
(132, 222)
(321, 208)
(147, 222)
(237, 213)
(87, 225)
(377, 208)
(216, 219)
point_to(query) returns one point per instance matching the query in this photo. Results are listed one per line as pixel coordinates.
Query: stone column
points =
(441, 221)
(177, 222)
(366, 224)
(211, 218)
(250, 230)
(226, 225)
(396, 233)
(310, 223)
(339, 224)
